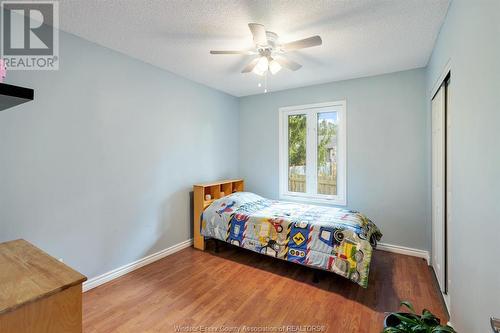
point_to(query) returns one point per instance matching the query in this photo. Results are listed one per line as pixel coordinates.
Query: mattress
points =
(333, 239)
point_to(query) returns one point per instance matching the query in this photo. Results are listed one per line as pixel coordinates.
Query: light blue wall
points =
(470, 38)
(387, 149)
(98, 168)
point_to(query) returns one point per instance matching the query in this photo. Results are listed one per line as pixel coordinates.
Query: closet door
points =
(439, 186)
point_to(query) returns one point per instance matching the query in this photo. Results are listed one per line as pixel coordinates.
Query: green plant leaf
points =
(443, 329)
(426, 312)
(408, 305)
(414, 323)
(392, 330)
(407, 319)
(429, 318)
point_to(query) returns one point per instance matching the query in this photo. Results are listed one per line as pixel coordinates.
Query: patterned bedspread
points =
(333, 239)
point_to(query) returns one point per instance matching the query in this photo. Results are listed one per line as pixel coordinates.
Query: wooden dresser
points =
(38, 293)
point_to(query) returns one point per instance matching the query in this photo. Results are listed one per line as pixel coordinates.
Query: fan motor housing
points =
(272, 38)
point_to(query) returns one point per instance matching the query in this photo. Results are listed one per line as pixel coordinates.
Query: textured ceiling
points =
(360, 38)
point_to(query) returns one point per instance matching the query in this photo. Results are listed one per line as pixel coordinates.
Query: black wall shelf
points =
(14, 95)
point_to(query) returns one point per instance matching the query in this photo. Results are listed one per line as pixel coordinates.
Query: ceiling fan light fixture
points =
(266, 47)
(262, 66)
(274, 67)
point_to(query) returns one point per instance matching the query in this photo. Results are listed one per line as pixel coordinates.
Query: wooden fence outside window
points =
(327, 184)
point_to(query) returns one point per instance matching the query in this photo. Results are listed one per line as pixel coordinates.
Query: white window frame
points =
(311, 111)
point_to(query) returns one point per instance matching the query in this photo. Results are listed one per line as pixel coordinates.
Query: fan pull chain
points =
(265, 82)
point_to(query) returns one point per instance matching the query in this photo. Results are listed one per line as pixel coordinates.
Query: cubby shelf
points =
(219, 190)
(216, 191)
(207, 203)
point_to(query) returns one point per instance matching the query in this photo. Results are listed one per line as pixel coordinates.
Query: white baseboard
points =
(111, 275)
(447, 303)
(405, 250)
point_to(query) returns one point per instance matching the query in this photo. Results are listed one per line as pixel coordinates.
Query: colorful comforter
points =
(333, 239)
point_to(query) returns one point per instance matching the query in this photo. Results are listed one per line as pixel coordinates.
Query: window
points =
(313, 153)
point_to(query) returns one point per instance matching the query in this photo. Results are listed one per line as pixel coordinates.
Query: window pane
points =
(327, 153)
(297, 153)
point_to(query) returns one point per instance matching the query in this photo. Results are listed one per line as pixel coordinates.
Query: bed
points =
(332, 239)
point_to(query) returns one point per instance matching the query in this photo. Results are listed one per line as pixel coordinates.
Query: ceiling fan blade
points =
(245, 52)
(259, 33)
(287, 63)
(302, 43)
(250, 66)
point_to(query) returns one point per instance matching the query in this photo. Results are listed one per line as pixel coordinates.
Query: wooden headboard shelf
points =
(215, 190)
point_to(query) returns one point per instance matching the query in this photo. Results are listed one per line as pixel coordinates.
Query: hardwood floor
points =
(236, 287)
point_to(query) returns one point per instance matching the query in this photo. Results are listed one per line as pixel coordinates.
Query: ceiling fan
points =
(270, 52)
